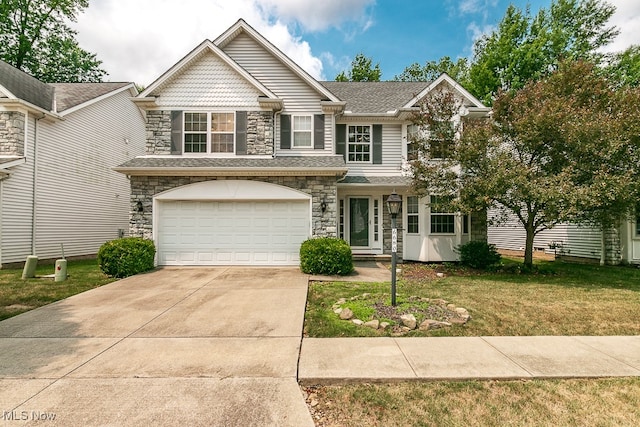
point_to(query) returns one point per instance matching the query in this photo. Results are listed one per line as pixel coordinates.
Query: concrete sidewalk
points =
(350, 360)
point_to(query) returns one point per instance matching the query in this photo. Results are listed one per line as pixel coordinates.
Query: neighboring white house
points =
(247, 155)
(58, 145)
(575, 241)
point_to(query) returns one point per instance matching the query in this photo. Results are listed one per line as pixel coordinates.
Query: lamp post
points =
(393, 204)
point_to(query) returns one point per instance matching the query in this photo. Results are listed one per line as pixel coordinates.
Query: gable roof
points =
(444, 77)
(17, 84)
(70, 95)
(205, 46)
(241, 27)
(375, 97)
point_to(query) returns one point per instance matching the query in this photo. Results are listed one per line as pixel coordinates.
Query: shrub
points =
(126, 257)
(326, 255)
(478, 254)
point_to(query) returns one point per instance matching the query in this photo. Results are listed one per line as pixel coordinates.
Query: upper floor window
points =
(412, 145)
(638, 221)
(412, 214)
(442, 221)
(209, 132)
(359, 143)
(302, 131)
(442, 135)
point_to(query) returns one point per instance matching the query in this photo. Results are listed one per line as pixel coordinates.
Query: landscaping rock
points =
(373, 324)
(409, 320)
(384, 325)
(346, 314)
(433, 324)
(441, 275)
(337, 310)
(358, 322)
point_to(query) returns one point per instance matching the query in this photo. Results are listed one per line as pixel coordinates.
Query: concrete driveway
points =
(188, 346)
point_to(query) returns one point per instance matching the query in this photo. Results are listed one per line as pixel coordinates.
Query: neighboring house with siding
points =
(247, 156)
(58, 145)
(575, 241)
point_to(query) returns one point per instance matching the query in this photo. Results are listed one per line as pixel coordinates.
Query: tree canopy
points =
(458, 70)
(35, 38)
(525, 47)
(361, 70)
(564, 148)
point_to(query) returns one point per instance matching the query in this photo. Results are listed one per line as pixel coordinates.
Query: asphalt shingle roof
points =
(69, 95)
(290, 162)
(25, 87)
(377, 180)
(375, 97)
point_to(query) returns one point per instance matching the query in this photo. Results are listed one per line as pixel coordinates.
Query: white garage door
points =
(231, 232)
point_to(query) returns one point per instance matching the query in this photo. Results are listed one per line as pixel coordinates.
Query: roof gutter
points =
(218, 171)
(19, 103)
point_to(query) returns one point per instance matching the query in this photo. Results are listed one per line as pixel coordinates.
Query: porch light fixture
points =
(323, 205)
(139, 207)
(394, 202)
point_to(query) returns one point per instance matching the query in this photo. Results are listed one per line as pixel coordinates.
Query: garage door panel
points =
(231, 232)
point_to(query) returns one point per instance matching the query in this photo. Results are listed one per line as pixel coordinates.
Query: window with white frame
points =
(442, 135)
(359, 143)
(209, 132)
(638, 222)
(302, 131)
(412, 215)
(442, 221)
(412, 145)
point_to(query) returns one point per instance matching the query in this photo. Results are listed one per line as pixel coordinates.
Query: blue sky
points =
(139, 40)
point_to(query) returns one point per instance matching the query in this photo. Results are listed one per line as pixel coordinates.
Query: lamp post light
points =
(394, 202)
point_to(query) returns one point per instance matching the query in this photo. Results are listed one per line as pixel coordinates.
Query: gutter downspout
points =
(34, 186)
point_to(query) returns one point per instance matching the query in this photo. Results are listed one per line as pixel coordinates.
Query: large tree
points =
(624, 67)
(564, 148)
(35, 38)
(458, 70)
(525, 47)
(362, 70)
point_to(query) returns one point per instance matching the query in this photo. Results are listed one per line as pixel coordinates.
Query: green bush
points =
(478, 254)
(126, 257)
(326, 255)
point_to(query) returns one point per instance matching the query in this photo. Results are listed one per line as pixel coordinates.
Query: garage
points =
(231, 223)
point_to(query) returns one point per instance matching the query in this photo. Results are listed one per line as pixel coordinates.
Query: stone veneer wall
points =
(612, 247)
(12, 133)
(259, 133)
(386, 227)
(143, 188)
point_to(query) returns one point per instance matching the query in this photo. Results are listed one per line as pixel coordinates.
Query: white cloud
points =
(319, 15)
(627, 19)
(139, 40)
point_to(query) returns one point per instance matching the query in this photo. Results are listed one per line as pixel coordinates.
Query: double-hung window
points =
(209, 132)
(359, 143)
(412, 144)
(442, 134)
(638, 221)
(302, 131)
(412, 215)
(442, 221)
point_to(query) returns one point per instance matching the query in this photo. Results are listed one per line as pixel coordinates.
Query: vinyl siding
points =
(298, 96)
(209, 82)
(17, 205)
(81, 202)
(391, 154)
(576, 241)
(328, 141)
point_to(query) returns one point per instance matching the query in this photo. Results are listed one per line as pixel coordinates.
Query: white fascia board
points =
(7, 165)
(205, 45)
(21, 105)
(242, 26)
(7, 93)
(444, 77)
(130, 87)
(209, 171)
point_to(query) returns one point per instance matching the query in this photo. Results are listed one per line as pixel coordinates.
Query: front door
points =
(359, 221)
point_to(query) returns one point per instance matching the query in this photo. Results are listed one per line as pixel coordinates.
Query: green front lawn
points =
(18, 296)
(567, 299)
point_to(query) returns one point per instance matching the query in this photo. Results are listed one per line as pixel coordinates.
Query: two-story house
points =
(58, 145)
(247, 156)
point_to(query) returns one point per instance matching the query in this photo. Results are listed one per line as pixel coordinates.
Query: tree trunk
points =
(528, 248)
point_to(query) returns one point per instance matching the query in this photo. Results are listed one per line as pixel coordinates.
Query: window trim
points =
(209, 132)
(415, 214)
(348, 144)
(311, 132)
(436, 213)
(412, 154)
